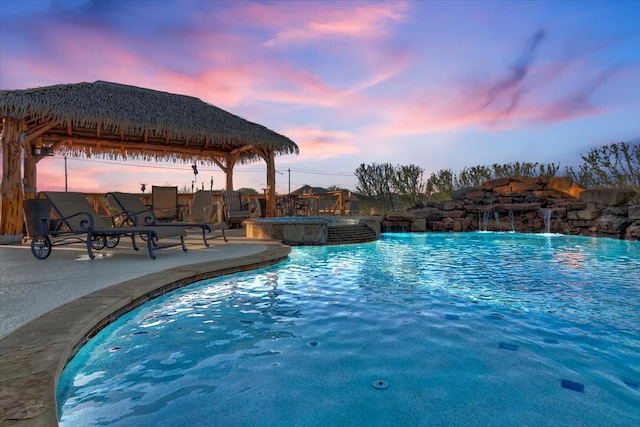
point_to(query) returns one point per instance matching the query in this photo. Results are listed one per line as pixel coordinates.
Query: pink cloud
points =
(320, 144)
(233, 73)
(551, 94)
(303, 22)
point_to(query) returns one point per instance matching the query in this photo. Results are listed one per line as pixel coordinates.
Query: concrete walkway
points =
(49, 307)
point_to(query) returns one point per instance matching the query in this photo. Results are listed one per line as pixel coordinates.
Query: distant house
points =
(307, 189)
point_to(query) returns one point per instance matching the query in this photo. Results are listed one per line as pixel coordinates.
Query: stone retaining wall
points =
(527, 205)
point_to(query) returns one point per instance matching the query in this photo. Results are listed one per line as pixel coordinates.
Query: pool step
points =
(348, 234)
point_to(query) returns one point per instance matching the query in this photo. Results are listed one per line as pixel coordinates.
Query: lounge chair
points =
(235, 212)
(78, 221)
(136, 213)
(164, 203)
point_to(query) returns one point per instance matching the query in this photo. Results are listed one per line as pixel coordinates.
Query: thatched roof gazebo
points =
(116, 121)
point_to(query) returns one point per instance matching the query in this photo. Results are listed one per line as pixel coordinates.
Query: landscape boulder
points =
(607, 196)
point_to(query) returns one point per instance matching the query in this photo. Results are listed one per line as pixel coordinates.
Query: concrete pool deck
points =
(49, 308)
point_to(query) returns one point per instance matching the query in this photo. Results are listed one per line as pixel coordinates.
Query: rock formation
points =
(527, 205)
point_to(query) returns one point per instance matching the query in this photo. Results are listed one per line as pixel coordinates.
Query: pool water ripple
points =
(473, 329)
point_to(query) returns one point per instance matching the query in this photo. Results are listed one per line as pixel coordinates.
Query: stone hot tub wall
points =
(518, 204)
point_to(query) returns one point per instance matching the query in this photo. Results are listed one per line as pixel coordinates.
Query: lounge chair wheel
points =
(41, 247)
(112, 241)
(98, 242)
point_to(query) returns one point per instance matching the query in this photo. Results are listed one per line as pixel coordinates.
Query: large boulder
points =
(467, 193)
(493, 183)
(562, 183)
(400, 216)
(616, 210)
(432, 214)
(633, 231)
(419, 225)
(609, 224)
(523, 187)
(450, 205)
(607, 196)
(575, 190)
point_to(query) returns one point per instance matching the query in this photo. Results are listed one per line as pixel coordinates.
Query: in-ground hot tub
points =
(295, 230)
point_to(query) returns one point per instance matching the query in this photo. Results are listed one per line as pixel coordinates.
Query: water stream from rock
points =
(547, 213)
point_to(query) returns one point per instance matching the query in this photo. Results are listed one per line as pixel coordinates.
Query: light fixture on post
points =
(195, 176)
(40, 152)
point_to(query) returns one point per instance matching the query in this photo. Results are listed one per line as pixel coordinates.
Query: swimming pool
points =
(414, 329)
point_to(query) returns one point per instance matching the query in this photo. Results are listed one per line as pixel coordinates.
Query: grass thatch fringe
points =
(114, 111)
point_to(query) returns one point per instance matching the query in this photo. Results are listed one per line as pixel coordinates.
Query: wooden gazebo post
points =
(271, 183)
(11, 188)
(230, 161)
(30, 171)
(268, 155)
(16, 138)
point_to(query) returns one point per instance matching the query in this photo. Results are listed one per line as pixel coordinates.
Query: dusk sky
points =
(437, 84)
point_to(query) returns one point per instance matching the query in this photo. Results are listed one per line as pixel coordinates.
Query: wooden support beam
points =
(269, 157)
(244, 149)
(230, 161)
(30, 174)
(35, 132)
(271, 183)
(219, 164)
(58, 141)
(11, 217)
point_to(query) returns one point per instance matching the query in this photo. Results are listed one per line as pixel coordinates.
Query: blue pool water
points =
(469, 329)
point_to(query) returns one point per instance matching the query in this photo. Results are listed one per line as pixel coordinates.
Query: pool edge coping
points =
(33, 356)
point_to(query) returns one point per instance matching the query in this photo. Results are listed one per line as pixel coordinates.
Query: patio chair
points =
(305, 206)
(352, 206)
(235, 212)
(78, 222)
(201, 207)
(164, 203)
(136, 213)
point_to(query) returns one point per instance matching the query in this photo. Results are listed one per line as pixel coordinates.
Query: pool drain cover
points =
(380, 384)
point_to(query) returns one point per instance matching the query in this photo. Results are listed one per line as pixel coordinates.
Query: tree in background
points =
(374, 186)
(472, 177)
(408, 183)
(381, 184)
(440, 185)
(524, 169)
(612, 166)
(248, 191)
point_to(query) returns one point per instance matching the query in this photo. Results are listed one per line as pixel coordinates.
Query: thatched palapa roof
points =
(119, 121)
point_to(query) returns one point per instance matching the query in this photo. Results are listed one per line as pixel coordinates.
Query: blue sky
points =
(437, 84)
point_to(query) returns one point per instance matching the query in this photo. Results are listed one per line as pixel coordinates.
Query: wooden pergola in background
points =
(115, 121)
